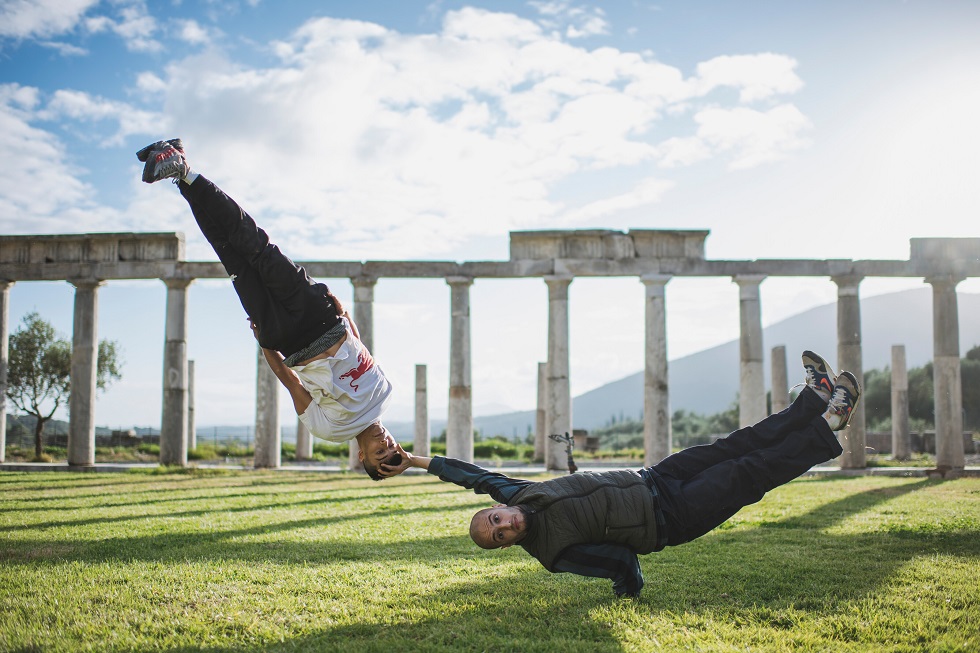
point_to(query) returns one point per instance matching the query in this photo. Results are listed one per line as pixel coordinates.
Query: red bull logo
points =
(364, 363)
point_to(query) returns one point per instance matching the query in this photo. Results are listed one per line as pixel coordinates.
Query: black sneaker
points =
(844, 399)
(164, 159)
(820, 375)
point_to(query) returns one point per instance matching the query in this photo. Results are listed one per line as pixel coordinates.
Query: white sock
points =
(189, 177)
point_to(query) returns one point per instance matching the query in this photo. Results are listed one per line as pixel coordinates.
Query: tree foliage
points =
(39, 371)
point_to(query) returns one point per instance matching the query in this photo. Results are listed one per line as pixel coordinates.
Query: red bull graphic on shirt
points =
(364, 363)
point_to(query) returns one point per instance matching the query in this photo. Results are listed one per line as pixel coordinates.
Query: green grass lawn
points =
(286, 561)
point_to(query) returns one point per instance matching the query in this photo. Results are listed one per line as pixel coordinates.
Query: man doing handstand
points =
(596, 524)
(309, 340)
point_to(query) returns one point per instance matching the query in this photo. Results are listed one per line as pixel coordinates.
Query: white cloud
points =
(192, 32)
(362, 142)
(42, 192)
(133, 24)
(754, 137)
(87, 108)
(64, 49)
(758, 76)
(646, 193)
(576, 21)
(23, 19)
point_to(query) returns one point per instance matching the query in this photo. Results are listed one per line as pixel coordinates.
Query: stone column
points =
(304, 441)
(656, 396)
(559, 389)
(849, 357)
(780, 391)
(84, 359)
(541, 414)
(173, 421)
(364, 319)
(191, 422)
(459, 428)
(268, 439)
(4, 360)
(752, 387)
(901, 438)
(420, 445)
(947, 380)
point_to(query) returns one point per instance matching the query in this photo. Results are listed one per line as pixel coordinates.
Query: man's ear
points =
(360, 455)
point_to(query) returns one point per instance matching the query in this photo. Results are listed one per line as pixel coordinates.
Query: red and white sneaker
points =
(164, 160)
(843, 400)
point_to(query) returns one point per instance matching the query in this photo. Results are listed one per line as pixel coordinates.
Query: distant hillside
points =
(707, 382)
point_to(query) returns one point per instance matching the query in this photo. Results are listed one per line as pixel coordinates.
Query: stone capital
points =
(655, 279)
(946, 281)
(86, 284)
(847, 284)
(744, 280)
(177, 283)
(364, 281)
(459, 281)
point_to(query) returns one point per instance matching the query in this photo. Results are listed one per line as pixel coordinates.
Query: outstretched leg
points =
(697, 503)
(289, 308)
(819, 381)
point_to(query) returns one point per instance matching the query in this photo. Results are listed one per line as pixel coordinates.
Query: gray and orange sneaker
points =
(820, 375)
(164, 159)
(843, 400)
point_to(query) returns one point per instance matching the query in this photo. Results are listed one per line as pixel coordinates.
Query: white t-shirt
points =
(350, 391)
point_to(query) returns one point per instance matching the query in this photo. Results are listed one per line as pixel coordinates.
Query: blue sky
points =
(429, 130)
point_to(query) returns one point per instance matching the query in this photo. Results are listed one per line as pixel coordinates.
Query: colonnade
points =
(556, 257)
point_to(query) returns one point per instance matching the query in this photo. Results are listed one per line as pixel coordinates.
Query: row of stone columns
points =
(555, 415)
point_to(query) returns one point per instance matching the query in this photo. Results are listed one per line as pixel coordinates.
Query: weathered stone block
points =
(607, 244)
(946, 248)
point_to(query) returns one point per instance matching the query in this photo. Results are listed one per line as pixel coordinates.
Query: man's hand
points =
(387, 471)
(253, 327)
(408, 460)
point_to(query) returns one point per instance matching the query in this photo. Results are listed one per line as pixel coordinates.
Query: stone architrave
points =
(191, 418)
(850, 358)
(947, 379)
(780, 391)
(559, 389)
(420, 444)
(364, 319)
(304, 441)
(268, 438)
(84, 359)
(656, 395)
(173, 420)
(901, 438)
(541, 414)
(459, 428)
(752, 386)
(4, 361)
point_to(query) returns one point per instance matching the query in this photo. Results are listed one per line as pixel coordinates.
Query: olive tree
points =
(39, 371)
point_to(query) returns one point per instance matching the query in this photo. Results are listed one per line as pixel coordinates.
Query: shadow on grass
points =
(526, 613)
(222, 545)
(210, 511)
(168, 494)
